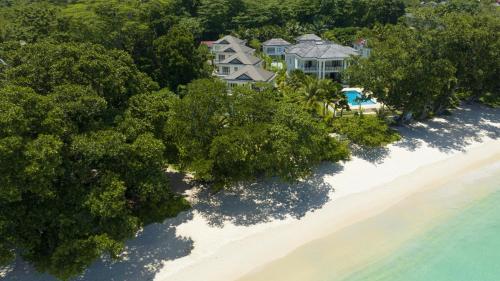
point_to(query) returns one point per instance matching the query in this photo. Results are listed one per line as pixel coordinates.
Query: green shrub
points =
(365, 130)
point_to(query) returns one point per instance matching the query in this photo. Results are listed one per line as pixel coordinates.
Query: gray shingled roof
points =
(256, 74)
(231, 39)
(321, 50)
(239, 48)
(308, 37)
(246, 59)
(276, 42)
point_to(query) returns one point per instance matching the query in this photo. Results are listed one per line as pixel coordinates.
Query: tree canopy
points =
(225, 138)
(429, 63)
(76, 182)
(99, 97)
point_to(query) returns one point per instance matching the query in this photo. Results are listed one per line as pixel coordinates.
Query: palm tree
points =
(323, 93)
(312, 91)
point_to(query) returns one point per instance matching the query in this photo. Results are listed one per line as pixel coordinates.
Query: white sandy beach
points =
(227, 235)
(360, 190)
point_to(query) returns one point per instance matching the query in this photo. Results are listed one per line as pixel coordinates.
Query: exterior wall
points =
(221, 56)
(277, 52)
(321, 68)
(221, 68)
(363, 51)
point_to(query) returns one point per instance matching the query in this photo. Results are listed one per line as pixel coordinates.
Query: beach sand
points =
(229, 235)
(379, 237)
(432, 154)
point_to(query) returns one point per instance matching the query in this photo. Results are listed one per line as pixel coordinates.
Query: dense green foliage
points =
(365, 130)
(320, 97)
(160, 34)
(438, 56)
(231, 137)
(98, 97)
(76, 182)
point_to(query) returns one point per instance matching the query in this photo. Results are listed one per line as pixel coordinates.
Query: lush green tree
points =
(30, 22)
(225, 138)
(81, 181)
(365, 130)
(406, 74)
(44, 66)
(217, 15)
(472, 44)
(179, 59)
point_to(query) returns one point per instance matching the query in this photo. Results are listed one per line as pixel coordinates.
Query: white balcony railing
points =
(310, 68)
(333, 68)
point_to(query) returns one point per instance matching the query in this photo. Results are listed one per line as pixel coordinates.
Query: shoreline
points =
(233, 233)
(379, 236)
(234, 251)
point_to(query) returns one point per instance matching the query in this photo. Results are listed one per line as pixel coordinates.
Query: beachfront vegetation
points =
(98, 97)
(434, 59)
(225, 138)
(76, 180)
(365, 130)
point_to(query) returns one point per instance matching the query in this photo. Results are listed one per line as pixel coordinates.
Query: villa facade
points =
(275, 48)
(236, 63)
(318, 57)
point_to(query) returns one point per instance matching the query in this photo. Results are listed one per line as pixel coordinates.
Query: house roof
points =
(308, 37)
(207, 43)
(241, 58)
(276, 42)
(251, 73)
(236, 48)
(229, 39)
(321, 50)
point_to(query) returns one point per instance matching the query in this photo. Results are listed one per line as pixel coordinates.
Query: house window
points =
(222, 57)
(225, 70)
(235, 69)
(271, 50)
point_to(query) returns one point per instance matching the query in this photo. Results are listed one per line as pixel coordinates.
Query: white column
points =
(321, 69)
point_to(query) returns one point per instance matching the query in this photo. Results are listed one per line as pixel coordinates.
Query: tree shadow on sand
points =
(245, 204)
(143, 258)
(455, 132)
(373, 155)
(451, 133)
(248, 204)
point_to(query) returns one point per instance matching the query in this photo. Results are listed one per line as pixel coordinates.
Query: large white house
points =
(315, 56)
(235, 62)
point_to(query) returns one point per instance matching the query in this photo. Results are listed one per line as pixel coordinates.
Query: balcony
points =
(333, 68)
(310, 68)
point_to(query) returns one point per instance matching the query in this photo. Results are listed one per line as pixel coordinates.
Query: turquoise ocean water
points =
(465, 247)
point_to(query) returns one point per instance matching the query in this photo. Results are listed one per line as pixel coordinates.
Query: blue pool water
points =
(353, 96)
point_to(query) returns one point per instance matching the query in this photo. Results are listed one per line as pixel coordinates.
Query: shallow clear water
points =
(465, 247)
(353, 99)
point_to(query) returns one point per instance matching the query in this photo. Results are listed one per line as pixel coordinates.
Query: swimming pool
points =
(353, 96)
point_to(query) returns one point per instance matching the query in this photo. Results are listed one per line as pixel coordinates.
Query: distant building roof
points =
(276, 42)
(321, 50)
(251, 73)
(208, 43)
(229, 39)
(236, 48)
(308, 37)
(241, 58)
